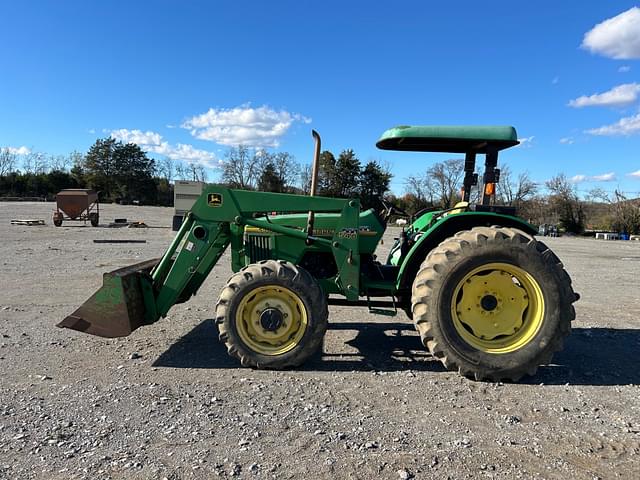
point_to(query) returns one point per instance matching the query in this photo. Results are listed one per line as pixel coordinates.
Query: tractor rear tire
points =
(493, 303)
(272, 314)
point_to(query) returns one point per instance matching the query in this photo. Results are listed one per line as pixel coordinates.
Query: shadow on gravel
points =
(592, 356)
(380, 347)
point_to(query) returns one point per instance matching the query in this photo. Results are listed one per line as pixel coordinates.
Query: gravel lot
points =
(167, 402)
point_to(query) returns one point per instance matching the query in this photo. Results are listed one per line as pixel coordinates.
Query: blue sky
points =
(188, 79)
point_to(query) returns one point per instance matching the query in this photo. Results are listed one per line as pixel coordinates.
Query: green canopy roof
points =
(445, 138)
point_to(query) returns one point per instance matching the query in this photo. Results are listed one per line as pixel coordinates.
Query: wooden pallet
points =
(27, 221)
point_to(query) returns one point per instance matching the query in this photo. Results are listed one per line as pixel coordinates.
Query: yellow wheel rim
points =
(271, 320)
(497, 308)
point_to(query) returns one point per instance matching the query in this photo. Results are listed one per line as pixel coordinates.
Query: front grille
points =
(258, 247)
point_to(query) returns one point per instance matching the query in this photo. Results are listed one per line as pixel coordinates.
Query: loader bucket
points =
(118, 307)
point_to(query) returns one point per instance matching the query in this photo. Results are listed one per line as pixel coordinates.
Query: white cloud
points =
(578, 179)
(624, 69)
(555, 80)
(153, 142)
(18, 150)
(137, 136)
(92, 131)
(605, 177)
(243, 125)
(617, 37)
(619, 96)
(567, 140)
(634, 174)
(526, 142)
(625, 126)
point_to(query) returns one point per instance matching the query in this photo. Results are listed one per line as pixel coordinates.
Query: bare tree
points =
(194, 172)
(60, 163)
(166, 168)
(624, 214)
(305, 178)
(200, 173)
(8, 161)
(241, 168)
(598, 194)
(421, 188)
(286, 168)
(181, 171)
(35, 162)
(447, 180)
(515, 191)
(28, 163)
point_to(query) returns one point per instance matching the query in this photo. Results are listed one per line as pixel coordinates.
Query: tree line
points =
(343, 176)
(124, 173)
(555, 201)
(120, 172)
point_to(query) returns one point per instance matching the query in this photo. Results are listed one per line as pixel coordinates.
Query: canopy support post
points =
(470, 177)
(491, 175)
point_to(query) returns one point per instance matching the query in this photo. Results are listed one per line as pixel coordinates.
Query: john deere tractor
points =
(488, 299)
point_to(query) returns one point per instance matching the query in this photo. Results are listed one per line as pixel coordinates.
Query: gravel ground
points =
(167, 402)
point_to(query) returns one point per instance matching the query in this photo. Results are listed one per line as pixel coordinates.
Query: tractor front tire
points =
(493, 303)
(272, 314)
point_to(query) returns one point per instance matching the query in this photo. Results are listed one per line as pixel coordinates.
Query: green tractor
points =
(488, 299)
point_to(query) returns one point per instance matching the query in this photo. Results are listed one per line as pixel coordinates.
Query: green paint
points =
(445, 138)
(342, 235)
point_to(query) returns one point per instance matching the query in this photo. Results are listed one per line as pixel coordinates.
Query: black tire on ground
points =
(272, 273)
(94, 219)
(448, 264)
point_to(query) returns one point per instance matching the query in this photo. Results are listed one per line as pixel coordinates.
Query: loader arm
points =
(137, 295)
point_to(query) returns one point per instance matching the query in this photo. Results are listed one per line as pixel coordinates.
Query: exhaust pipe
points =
(314, 181)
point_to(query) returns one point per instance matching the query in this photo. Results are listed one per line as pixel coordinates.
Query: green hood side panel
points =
(371, 230)
(465, 220)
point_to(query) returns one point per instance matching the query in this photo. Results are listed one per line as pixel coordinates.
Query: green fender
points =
(446, 227)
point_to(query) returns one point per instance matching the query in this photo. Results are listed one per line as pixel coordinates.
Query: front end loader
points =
(487, 298)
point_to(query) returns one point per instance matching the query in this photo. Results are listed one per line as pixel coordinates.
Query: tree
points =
(623, 214)
(8, 161)
(419, 191)
(626, 214)
(120, 171)
(446, 178)
(565, 204)
(515, 191)
(241, 168)
(374, 183)
(305, 179)
(166, 168)
(347, 174)
(197, 172)
(326, 175)
(269, 180)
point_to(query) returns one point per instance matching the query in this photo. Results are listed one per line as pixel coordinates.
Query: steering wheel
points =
(390, 209)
